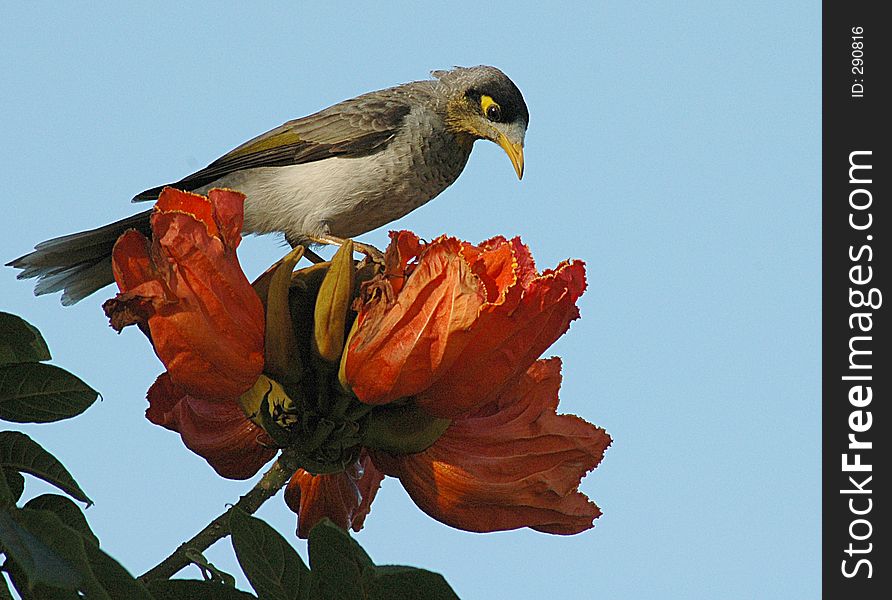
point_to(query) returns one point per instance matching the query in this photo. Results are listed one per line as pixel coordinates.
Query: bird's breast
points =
(347, 197)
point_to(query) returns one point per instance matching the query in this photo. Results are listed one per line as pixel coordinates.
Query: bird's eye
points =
(491, 108)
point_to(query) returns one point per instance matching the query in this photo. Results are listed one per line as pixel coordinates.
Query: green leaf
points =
(5, 594)
(20, 342)
(273, 567)
(44, 549)
(38, 591)
(337, 562)
(16, 483)
(40, 393)
(6, 499)
(405, 583)
(112, 579)
(20, 452)
(103, 578)
(191, 589)
(69, 512)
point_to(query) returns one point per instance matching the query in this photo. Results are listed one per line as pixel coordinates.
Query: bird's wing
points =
(356, 127)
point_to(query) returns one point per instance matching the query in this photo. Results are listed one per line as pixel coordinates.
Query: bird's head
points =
(482, 103)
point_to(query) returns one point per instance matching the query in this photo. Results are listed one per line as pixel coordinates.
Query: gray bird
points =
(340, 172)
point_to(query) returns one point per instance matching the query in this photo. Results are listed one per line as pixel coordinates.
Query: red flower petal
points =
(506, 339)
(216, 431)
(229, 214)
(134, 266)
(467, 321)
(493, 262)
(514, 463)
(205, 319)
(404, 247)
(345, 498)
(196, 206)
(401, 346)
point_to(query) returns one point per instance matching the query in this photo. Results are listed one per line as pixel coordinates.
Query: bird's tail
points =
(77, 264)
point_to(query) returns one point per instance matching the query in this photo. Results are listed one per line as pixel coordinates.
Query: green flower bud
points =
(332, 304)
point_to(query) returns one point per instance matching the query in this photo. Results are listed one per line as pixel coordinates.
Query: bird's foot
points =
(312, 256)
(309, 254)
(372, 253)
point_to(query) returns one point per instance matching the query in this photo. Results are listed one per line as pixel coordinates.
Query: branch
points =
(271, 482)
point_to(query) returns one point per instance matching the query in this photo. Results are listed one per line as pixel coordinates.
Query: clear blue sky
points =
(672, 146)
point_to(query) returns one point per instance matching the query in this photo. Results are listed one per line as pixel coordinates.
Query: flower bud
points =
(261, 403)
(332, 303)
(403, 429)
(281, 349)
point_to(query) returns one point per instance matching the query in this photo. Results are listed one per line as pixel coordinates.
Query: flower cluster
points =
(424, 366)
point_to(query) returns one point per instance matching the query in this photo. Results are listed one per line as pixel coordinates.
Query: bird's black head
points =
(484, 104)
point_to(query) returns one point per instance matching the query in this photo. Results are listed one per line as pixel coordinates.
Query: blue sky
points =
(672, 146)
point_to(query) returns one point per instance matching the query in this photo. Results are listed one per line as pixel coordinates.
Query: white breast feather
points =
(304, 199)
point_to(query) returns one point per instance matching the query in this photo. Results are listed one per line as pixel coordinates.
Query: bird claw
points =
(312, 256)
(372, 254)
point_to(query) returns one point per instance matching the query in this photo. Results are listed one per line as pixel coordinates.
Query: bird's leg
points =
(313, 257)
(308, 254)
(371, 252)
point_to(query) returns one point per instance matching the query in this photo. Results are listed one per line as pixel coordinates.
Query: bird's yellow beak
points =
(514, 152)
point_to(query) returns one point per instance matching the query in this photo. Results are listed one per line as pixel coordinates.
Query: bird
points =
(335, 174)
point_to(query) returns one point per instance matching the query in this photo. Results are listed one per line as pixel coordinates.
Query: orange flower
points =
(512, 463)
(459, 329)
(186, 289)
(449, 332)
(403, 342)
(205, 320)
(217, 431)
(345, 497)
(452, 324)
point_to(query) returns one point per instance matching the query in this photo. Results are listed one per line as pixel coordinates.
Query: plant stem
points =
(271, 482)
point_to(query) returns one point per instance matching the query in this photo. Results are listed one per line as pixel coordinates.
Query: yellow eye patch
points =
(490, 108)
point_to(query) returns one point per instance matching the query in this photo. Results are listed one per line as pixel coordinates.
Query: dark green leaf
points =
(405, 583)
(20, 342)
(39, 591)
(44, 549)
(5, 594)
(41, 393)
(16, 483)
(112, 579)
(6, 499)
(69, 512)
(273, 567)
(337, 562)
(105, 579)
(190, 589)
(20, 452)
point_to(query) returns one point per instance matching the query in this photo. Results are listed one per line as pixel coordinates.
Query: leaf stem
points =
(271, 482)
